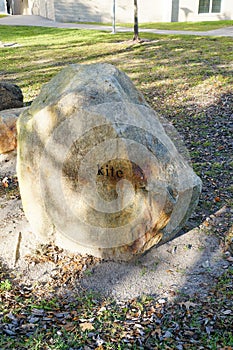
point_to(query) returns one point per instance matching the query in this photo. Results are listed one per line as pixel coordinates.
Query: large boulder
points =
(8, 132)
(97, 172)
(10, 96)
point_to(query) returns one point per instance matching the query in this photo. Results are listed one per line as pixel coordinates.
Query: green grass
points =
(5, 285)
(177, 64)
(192, 26)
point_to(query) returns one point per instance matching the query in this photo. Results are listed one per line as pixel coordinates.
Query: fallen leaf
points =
(227, 312)
(86, 326)
(230, 259)
(187, 304)
(206, 223)
(5, 182)
(69, 326)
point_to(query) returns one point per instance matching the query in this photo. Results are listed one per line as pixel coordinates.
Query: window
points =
(209, 6)
(216, 6)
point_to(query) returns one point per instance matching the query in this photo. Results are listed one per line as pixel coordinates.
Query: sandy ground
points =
(188, 264)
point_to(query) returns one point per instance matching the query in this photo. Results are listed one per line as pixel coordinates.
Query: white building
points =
(149, 10)
(3, 6)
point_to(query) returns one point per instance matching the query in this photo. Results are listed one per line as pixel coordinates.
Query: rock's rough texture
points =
(10, 96)
(97, 172)
(8, 132)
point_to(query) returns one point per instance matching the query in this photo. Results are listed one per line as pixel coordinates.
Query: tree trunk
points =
(136, 34)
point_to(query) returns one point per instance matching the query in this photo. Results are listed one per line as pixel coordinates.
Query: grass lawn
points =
(188, 80)
(193, 26)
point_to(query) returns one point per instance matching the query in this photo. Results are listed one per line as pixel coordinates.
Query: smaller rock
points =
(11, 96)
(8, 132)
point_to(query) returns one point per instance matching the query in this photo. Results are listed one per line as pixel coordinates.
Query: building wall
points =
(227, 10)
(3, 6)
(101, 10)
(47, 9)
(34, 7)
(20, 7)
(154, 11)
(82, 10)
(148, 10)
(42, 8)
